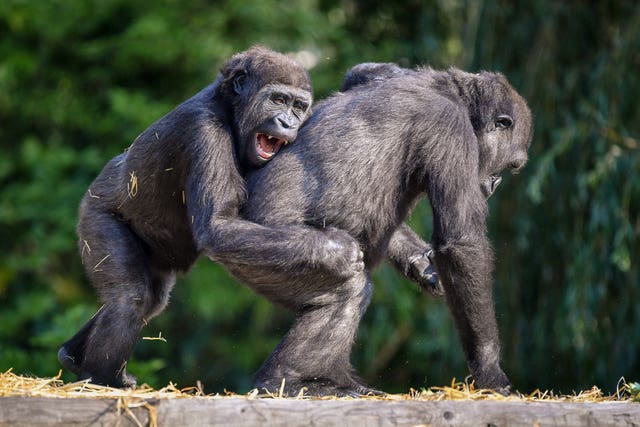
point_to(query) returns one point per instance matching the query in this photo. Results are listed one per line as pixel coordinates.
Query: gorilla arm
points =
(214, 196)
(463, 254)
(291, 249)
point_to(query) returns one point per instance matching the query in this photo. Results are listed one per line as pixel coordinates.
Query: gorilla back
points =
(360, 164)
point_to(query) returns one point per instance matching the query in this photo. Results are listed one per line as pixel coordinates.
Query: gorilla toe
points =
(68, 360)
(317, 387)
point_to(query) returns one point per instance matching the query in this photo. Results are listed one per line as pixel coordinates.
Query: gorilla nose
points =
(517, 165)
(285, 123)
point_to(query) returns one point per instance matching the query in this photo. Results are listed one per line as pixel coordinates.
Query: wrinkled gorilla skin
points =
(360, 164)
(176, 193)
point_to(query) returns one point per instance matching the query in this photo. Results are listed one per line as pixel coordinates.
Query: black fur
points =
(411, 255)
(360, 164)
(371, 72)
(176, 193)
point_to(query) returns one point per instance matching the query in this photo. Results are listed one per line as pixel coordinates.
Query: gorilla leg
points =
(315, 352)
(117, 264)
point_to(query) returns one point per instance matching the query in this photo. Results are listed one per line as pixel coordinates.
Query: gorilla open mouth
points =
(495, 180)
(267, 146)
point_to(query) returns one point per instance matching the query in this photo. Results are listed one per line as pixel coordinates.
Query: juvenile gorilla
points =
(176, 193)
(443, 134)
(419, 266)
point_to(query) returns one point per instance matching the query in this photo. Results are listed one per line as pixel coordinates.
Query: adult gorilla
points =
(360, 164)
(176, 193)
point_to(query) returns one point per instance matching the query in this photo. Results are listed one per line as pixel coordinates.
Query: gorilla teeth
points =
(275, 139)
(268, 145)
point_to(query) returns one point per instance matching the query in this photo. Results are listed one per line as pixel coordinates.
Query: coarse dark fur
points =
(176, 193)
(371, 72)
(360, 164)
(419, 266)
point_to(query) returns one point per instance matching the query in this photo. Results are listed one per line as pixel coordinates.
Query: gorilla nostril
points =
(517, 165)
(286, 124)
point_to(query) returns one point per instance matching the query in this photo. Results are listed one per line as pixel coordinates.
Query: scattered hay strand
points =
(132, 188)
(17, 385)
(127, 400)
(466, 391)
(158, 338)
(132, 185)
(95, 267)
(85, 247)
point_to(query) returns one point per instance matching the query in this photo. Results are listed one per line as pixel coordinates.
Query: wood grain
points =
(41, 411)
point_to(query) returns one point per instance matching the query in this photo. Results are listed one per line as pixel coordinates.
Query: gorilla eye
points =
(279, 99)
(504, 121)
(299, 105)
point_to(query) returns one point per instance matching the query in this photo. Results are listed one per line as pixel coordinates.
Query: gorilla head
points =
(503, 126)
(269, 98)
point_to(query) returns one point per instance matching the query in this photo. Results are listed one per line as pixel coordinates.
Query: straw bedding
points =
(12, 384)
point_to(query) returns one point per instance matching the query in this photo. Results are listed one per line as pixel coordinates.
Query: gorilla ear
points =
(504, 121)
(238, 82)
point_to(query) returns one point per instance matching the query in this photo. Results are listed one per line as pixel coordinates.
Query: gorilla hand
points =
(340, 255)
(424, 274)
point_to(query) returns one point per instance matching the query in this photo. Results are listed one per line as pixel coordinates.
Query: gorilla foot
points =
(71, 362)
(120, 380)
(68, 361)
(128, 381)
(507, 390)
(361, 390)
(317, 387)
(493, 379)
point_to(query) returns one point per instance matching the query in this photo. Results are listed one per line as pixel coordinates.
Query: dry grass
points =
(17, 385)
(144, 396)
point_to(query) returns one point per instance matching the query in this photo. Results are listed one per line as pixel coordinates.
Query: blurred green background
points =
(79, 80)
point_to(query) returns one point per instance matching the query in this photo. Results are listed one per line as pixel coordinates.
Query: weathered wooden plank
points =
(46, 411)
(40, 411)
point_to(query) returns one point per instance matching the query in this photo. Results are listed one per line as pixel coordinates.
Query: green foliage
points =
(569, 240)
(79, 81)
(634, 390)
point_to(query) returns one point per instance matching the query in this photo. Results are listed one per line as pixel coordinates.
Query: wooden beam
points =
(241, 411)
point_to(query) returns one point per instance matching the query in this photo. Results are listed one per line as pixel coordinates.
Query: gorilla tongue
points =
(267, 146)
